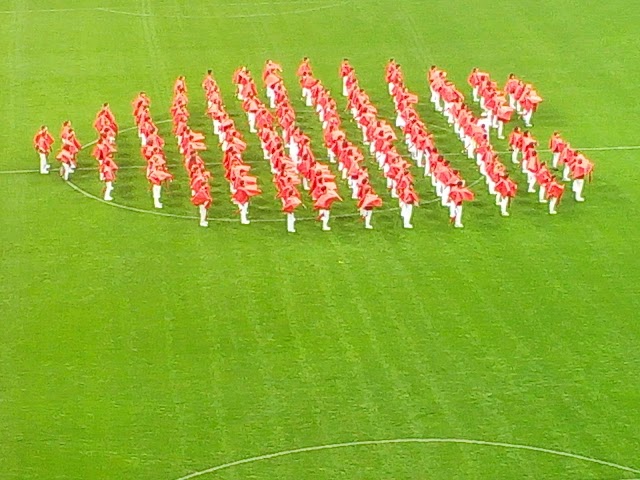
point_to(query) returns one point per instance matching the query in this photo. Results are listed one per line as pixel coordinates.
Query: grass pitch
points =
(135, 346)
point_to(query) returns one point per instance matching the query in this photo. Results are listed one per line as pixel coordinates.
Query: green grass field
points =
(134, 346)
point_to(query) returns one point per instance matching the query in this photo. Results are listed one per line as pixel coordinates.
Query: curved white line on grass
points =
(334, 446)
(229, 16)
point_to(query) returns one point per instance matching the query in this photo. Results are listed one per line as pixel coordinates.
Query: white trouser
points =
(514, 156)
(156, 191)
(66, 171)
(252, 122)
(556, 159)
(531, 179)
(367, 214)
(406, 211)
(526, 116)
(435, 99)
(552, 205)
(107, 191)
(458, 216)
(578, 185)
(324, 215)
(203, 216)
(44, 165)
(271, 95)
(244, 213)
(504, 203)
(291, 223)
(542, 194)
(344, 87)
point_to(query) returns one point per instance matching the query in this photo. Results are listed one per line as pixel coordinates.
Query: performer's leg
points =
(291, 223)
(542, 194)
(458, 223)
(203, 216)
(157, 190)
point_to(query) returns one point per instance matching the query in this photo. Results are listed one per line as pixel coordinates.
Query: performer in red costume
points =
(42, 142)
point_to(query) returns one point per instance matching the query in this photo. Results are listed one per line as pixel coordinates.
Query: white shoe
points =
(459, 225)
(501, 137)
(408, 225)
(158, 205)
(204, 224)
(581, 199)
(543, 201)
(291, 230)
(245, 222)
(553, 212)
(368, 227)
(108, 198)
(505, 214)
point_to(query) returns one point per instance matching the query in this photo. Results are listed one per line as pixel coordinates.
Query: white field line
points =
(333, 446)
(302, 7)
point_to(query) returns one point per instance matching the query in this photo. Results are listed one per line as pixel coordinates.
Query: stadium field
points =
(139, 346)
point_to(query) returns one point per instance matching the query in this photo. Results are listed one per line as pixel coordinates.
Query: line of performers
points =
(448, 182)
(522, 98)
(107, 128)
(350, 160)
(190, 144)
(290, 156)
(292, 160)
(67, 155)
(576, 167)
(152, 148)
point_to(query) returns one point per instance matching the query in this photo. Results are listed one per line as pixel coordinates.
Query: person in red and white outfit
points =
(42, 142)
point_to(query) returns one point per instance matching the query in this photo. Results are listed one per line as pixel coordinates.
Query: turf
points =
(135, 346)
